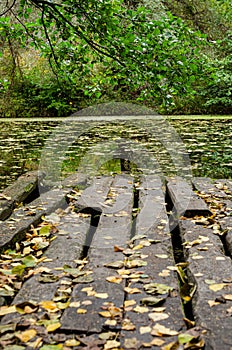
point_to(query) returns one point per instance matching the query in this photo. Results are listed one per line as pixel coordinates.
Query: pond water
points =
(207, 142)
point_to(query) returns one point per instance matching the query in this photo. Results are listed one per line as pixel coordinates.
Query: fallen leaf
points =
(152, 301)
(143, 330)
(216, 287)
(26, 335)
(49, 305)
(127, 325)
(129, 303)
(132, 290)
(5, 310)
(160, 331)
(158, 316)
(106, 335)
(184, 338)
(115, 264)
(114, 279)
(213, 303)
(101, 295)
(81, 311)
(111, 344)
(111, 323)
(141, 309)
(228, 297)
(162, 256)
(157, 288)
(72, 342)
(53, 326)
(52, 347)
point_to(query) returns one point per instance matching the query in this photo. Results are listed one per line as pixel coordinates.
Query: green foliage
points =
(97, 51)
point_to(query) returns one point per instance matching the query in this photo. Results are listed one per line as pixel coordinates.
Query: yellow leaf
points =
(129, 303)
(81, 311)
(132, 290)
(158, 316)
(111, 344)
(111, 322)
(213, 303)
(141, 309)
(114, 279)
(72, 342)
(143, 330)
(162, 256)
(101, 295)
(160, 330)
(217, 286)
(26, 335)
(75, 304)
(227, 296)
(87, 302)
(52, 327)
(5, 310)
(49, 305)
(127, 325)
(105, 314)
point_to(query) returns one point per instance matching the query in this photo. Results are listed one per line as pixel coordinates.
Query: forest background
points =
(57, 57)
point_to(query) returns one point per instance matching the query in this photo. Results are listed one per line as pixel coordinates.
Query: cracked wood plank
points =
(185, 200)
(114, 228)
(209, 268)
(152, 221)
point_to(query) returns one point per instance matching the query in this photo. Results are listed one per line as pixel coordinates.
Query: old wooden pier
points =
(116, 263)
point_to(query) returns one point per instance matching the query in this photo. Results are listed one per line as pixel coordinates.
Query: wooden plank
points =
(13, 229)
(210, 269)
(18, 192)
(114, 229)
(95, 194)
(218, 195)
(153, 222)
(185, 201)
(217, 188)
(64, 250)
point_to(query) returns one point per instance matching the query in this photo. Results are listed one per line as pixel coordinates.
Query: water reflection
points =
(208, 143)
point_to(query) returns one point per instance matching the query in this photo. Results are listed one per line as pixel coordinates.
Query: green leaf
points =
(45, 230)
(18, 270)
(185, 338)
(29, 261)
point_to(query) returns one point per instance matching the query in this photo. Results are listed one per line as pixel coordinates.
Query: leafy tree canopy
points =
(156, 58)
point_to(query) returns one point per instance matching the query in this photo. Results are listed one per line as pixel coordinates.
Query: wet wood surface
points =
(119, 263)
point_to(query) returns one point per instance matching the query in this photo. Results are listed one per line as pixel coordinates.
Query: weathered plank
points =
(113, 230)
(13, 229)
(18, 192)
(64, 250)
(211, 271)
(185, 201)
(216, 188)
(152, 221)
